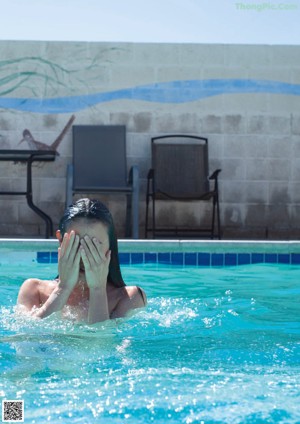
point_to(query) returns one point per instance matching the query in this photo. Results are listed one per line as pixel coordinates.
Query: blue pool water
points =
(215, 345)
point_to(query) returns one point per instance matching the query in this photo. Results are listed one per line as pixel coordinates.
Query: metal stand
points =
(30, 156)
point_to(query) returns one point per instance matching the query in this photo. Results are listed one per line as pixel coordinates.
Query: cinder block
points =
(10, 139)
(294, 218)
(257, 192)
(280, 147)
(234, 146)
(285, 56)
(52, 190)
(233, 169)
(157, 54)
(212, 124)
(215, 146)
(296, 124)
(6, 124)
(142, 122)
(293, 189)
(8, 210)
(278, 216)
(279, 193)
(11, 49)
(138, 145)
(295, 169)
(279, 169)
(122, 118)
(256, 215)
(54, 209)
(110, 52)
(295, 142)
(234, 215)
(257, 169)
(177, 73)
(234, 124)
(202, 54)
(256, 146)
(258, 124)
(126, 76)
(282, 103)
(247, 56)
(270, 73)
(171, 123)
(28, 216)
(5, 185)
(233, 191)
(21, 230)
(250, 103)
(279, 124)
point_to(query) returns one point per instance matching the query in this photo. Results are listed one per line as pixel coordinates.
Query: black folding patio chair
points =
(180, 173)
(99, 166)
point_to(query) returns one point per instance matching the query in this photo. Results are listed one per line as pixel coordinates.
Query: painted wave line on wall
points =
(166, 92)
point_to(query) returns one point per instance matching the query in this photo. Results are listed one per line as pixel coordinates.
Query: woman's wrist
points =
(96, 284)
(98, 289)
(54, 303)
(63, 288)
(98, 305)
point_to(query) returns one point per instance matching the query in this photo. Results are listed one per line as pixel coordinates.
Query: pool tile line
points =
(192, 258)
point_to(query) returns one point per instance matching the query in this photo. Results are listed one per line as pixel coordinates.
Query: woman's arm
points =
(98, 305)
(30, 301)
(96, 266)
(68, 267)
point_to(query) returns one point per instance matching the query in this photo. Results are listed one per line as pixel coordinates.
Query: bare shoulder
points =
(130, 297)
(136, 292)
(34, 291)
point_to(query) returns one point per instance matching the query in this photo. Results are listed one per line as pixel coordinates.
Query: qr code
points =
(13, 411)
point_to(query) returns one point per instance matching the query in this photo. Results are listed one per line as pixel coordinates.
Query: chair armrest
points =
(215, 174)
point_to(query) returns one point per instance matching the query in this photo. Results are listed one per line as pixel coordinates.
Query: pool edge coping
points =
(157, 246)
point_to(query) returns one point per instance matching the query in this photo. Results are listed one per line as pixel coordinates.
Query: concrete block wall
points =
(245, 99)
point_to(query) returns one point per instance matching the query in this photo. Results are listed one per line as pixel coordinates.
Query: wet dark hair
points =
(96, 211)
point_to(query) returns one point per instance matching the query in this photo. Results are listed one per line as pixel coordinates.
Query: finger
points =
(98, 246)
(75, 248)
(84, 257)
(77, 258)
(68, 242)
(64, 243)
(91, 248)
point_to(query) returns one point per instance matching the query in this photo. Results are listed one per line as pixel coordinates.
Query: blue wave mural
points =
(165, 92)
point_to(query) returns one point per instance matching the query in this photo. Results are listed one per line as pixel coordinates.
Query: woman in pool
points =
(90, 281)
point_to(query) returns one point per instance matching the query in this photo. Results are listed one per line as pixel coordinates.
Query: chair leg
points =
(69, 185)
(218, 218)
(147, 215)
(135, 202)
(153, 216)
(212, 234)
(128, 221)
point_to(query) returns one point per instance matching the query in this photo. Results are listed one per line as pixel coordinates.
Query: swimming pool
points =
(218, 343)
